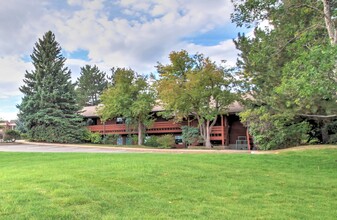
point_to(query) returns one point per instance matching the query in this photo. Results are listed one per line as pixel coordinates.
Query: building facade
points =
(228, 131)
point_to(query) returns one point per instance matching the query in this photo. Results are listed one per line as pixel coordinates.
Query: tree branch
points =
(318, 116)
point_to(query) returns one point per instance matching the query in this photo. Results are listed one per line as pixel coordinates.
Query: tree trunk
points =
(209, 127)
(140, 133)
(329, 22)
(208, 135)
(325, 134)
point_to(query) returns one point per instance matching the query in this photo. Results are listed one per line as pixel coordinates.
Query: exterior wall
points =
(225, 132)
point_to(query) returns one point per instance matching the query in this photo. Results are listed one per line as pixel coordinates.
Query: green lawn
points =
(292, 185)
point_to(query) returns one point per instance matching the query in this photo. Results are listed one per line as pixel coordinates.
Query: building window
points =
(119, 120)
(178, 139)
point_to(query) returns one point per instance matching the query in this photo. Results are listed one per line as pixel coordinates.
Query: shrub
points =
(133, 138)
(151, 141)
(12, 135)
(166, 141)
(55, 134)
(273, 131)
(110, 139)
(190, 134)
(95, 138)
(24, 136)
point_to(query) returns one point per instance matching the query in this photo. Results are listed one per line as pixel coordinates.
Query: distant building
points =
(6, 125)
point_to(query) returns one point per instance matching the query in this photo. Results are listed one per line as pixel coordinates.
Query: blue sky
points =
(109, 33)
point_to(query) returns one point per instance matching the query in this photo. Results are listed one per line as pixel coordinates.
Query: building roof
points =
(91, 111)
(235, 107)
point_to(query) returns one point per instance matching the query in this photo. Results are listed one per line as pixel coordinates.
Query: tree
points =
(195, 86)
(48, 109)
(90, 85)
(130, 97)
(289, 68)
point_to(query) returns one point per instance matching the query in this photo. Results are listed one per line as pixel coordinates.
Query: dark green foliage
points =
(48, 110)
(166, 141)
(90, 85)
(190, 135)
(151, 141)
(110, 139)
(274, 131)
(332, 131)
(54, 134)
(288, 69)
(20, 127)
(12, 135)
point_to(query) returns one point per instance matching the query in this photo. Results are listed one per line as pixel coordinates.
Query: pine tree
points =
(90, 85)
(48, 109)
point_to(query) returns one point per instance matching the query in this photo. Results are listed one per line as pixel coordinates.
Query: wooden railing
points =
(156, 128)
(217, 133)
(164, 127)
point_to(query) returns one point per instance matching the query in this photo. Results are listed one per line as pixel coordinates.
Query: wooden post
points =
(248, 139)
(222, 131)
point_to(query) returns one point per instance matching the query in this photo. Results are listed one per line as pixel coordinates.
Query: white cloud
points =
(224, 51)
(12, 73)
(138, 43)
(125, 33)
(8, 115)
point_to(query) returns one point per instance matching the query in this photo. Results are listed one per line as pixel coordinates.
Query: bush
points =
(166, 141)
(151, 141)
(55, 134)
(110, 139)
(24, 136)
(95, 138)
(190, 135)
(11, 135)
(275, 131)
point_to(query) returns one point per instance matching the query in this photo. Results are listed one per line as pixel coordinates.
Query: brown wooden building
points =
(228, 131)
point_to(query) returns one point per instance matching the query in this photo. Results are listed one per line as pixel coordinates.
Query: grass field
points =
(292, 185)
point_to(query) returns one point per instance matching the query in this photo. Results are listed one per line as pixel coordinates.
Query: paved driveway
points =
(54, 148)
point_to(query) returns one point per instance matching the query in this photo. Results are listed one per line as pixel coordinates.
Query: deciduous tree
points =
(194, 85)
(129, 97)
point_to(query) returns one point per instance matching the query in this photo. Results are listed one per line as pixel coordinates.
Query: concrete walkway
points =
(24, 146)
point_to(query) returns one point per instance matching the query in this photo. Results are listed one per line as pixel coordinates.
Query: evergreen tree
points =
(289, 68)
(48, 109)
(90, 85)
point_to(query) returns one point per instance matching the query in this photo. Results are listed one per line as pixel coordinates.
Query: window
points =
(178, 140)
(119, 120)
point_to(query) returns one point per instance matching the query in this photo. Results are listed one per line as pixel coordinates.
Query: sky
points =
(110, 33)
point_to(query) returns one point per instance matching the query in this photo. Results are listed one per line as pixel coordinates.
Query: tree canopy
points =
(129, 97)
(195, 86)
(288, 67)
(90, 85)
(48, 109)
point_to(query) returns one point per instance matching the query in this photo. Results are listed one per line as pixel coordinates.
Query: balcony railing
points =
(156, 128)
